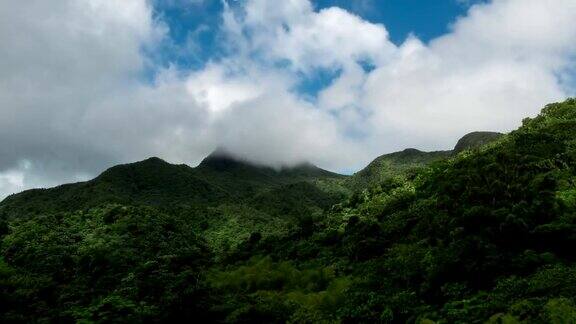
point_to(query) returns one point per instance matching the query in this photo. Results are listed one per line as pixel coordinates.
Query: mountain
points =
(149, 182)
(480, 237)
(475, 140)
(220, 177)
(483, 237)
(395, 164)
(246, 179)
(154, 182)
(407, 161)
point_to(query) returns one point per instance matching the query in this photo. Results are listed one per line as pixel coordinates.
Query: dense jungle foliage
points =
(482, 234)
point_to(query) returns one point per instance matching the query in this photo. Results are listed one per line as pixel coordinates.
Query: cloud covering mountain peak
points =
(80, 90)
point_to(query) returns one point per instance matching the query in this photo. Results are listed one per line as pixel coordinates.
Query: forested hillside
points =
(407, 162)
(479, 234)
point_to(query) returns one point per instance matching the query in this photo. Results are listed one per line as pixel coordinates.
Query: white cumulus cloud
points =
(73, 99)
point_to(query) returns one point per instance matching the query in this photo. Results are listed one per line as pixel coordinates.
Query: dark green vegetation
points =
(154, 182)
(485, 235)
(406, 163)
(398, 164)
(475, 140)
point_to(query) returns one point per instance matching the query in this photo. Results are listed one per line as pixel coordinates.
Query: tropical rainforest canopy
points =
(483, 233)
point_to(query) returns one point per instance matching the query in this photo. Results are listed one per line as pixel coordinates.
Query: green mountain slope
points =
(243, 179)
(410, 160)
(393, 165)
(475, 140)
(224, 199)
(154, 182)
(482, 236)
(149, 182)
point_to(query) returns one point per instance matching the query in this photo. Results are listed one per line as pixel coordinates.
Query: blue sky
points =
(199, 21)
(195, 30)
(426, 19)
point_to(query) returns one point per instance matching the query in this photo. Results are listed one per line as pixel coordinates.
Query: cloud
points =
(291, 31)
(499, 64)
(73, 100)
(57, 60)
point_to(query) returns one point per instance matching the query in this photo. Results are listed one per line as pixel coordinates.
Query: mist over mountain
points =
(221, 176)
(481, 233)
(297, 161)
(96, 83)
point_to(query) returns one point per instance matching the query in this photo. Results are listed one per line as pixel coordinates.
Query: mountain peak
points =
(411, 151)
(474, 140)
(151, 164)
(222, 159)
(152, 160)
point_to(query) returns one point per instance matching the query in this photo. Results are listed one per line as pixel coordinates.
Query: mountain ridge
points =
(155, 182)
(222, 176)
(483, 236)
(403, 162)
